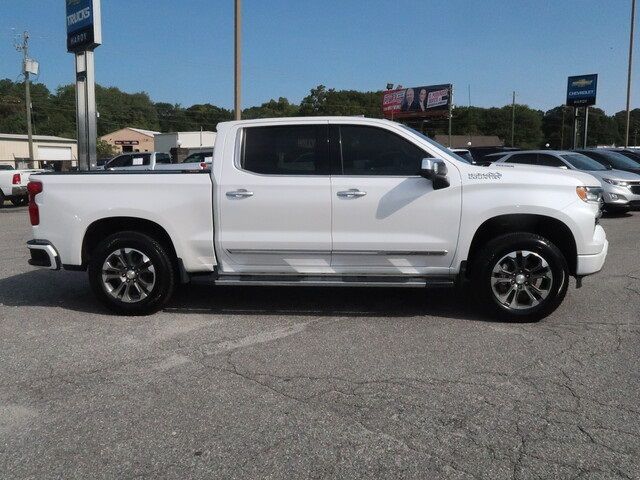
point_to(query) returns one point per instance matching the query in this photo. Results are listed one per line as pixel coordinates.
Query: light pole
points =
(633, 21)
(238, 36)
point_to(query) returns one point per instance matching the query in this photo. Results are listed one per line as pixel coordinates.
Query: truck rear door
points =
(274, 199)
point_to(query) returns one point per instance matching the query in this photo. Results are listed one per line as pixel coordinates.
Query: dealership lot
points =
(315, 383)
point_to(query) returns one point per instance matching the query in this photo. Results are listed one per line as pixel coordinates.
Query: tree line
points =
(54, 114)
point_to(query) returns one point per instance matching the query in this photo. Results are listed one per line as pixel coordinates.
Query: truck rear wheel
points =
(132, 274)
(520, 277)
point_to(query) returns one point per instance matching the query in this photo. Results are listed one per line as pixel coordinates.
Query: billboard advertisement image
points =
(415, 102)
(581, 90)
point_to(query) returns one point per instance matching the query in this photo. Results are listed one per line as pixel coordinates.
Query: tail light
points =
(16, 179)
(203, 165)
(34, 188)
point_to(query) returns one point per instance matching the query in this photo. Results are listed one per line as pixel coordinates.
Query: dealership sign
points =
(84, 30)
(581, 90)
(416, 102)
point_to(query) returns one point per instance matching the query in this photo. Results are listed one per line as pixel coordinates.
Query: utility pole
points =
(238, 51)
(633, 21)
(513, 118)
(24, 48)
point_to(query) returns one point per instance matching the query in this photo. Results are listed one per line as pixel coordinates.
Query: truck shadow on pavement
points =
(70, 291)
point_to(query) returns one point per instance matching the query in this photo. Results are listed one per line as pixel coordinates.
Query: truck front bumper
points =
(43, 254)
(589, 264)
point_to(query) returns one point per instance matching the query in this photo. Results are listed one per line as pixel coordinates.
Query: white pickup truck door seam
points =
(397, 224)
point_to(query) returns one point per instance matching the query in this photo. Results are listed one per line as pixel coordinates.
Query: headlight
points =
(589, 194)
(617, 183)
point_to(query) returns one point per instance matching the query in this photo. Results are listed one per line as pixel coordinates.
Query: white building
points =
(192, 141)
(14, 150)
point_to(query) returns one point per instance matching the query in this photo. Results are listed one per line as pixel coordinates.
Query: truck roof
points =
(341, 118)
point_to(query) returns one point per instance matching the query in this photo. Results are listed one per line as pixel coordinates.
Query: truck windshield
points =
(582, 162)
(434, 143)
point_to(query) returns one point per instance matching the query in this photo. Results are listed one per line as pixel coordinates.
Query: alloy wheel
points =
(521, 280)
(128, 275)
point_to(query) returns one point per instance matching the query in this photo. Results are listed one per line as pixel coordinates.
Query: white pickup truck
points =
(13, 185)
(324, 201)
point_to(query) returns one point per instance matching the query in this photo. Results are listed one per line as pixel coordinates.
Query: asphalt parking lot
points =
(317, 383)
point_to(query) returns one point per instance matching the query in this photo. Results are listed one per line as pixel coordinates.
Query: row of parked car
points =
(617, 169)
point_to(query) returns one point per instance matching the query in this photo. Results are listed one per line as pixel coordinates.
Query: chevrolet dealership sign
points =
(581, 90)
(84, 30)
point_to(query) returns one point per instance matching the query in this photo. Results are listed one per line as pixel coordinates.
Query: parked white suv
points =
(324, 201)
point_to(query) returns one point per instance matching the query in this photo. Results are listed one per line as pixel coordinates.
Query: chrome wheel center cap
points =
(131, 275)
(520, 279)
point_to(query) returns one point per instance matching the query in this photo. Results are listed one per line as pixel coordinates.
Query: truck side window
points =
(163, 158)
(286, 150)
(524, 158)
(375, 151)
(549, 160)
(120, 161)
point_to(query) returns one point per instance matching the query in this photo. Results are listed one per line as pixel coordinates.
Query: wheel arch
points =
(101, 229)
(551, 228)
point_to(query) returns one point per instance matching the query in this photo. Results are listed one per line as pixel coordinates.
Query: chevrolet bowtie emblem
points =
(583, 82)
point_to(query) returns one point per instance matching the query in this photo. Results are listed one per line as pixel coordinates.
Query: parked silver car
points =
(621, 189)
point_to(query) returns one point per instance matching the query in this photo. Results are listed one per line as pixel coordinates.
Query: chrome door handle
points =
(242, 193)
(351, 193)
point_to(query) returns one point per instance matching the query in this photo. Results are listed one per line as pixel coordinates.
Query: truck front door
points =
(386, 218)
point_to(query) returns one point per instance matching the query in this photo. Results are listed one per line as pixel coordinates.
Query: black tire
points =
(20, 201)
(164, 277)
(525, 286)
(1, 199)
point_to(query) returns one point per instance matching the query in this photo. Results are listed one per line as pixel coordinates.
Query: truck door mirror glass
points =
(436, 171)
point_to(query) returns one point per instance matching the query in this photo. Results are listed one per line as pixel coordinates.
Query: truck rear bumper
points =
(43, 254)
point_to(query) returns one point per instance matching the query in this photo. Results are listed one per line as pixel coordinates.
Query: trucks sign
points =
(84, 30)
(416, 102)
(581, 90)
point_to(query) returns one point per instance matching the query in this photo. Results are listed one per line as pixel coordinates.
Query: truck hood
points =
(539, 174)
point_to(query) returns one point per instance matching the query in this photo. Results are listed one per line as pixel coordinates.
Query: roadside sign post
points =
(84, 34)
(581, 92)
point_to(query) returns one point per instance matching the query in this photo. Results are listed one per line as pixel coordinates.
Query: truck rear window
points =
(286, 150)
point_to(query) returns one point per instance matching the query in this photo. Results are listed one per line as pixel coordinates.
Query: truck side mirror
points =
(436, 171)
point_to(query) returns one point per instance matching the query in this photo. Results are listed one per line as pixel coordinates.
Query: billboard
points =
(581, 90)
(415, 102)
(84, 30)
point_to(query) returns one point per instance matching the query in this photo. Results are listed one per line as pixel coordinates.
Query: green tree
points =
(272, 109)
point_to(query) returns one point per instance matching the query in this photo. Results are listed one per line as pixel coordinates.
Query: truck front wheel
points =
(131, 274)
(520, 277)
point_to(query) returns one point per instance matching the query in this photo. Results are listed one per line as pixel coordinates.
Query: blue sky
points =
(182, 51)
